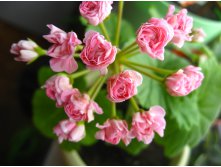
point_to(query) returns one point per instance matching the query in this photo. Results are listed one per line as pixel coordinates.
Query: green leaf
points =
(45, 113)
(126, 33)
(43, 74)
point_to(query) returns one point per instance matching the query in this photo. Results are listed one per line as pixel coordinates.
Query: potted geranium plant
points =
(167, 97)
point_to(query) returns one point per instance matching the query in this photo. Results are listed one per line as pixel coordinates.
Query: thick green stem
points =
(79, 74)
(104, 31)
(113, 110)
(156, 69)
(134, 104)
(155, 77)
(119, 19)
(183, 158)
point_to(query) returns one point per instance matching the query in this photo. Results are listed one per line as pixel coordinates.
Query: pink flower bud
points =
(153, 36)
(81, 108)
(55, 86)
(97, 53)
(198, 35)
(62, 49)
(123, 86)
(144, 124)
(184, 81)
(69, 130)
(24, 50)
(113, 131)
(95, 11)
(182, 25)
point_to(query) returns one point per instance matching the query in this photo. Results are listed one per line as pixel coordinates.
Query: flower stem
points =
(159, 70)
(129, 47)
(113, 110)
(134, 104)
(79, 74)
(97, 87)
(119, 19)
(155, 77)
(104, 31)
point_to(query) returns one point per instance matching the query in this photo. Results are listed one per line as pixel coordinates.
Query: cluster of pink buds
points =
(99, 54)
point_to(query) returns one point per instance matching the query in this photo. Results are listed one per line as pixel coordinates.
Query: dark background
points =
(20, 142)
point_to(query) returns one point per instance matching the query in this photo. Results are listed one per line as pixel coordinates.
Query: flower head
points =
(55, 87)
(182, 25)
(62, 49)
(184, 81)
(80, 107)
(153, 36)
(112, 131)
(69, 130)
(95, 11)
(24, 50)
(97, 53)
(123, 86)
(145, 123)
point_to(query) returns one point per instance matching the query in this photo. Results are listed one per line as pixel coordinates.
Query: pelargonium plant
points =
(120, 76)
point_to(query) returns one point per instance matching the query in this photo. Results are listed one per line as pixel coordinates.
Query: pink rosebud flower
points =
(123, 86)
(24, 50)
(55, 86)
(198, 35)
(153, 36)
(81, 108)
(97, 53)
(113, 131)
(184, 81)
(62, 49)
(182, 25)
(144, 124)
(69, 130)
(95, 11)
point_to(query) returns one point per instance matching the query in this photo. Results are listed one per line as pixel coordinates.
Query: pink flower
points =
(62, 49)
(123, 86)
(97, 53)
(182, 25)
(144, 124)
(55, 86)
(81, 108)
(153, 36)
(113, 131)
(24, 50)
(198, 35)
(184, 81)
(95, 11)
(69, 130)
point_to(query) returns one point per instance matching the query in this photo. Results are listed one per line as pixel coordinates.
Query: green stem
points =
(94, 86)
(79, 74)
(124, 50)
(159, 70)
(119, 19)
(104, 31)
(134, 104)
(113, 110)
(183, 158)
(127, 56)
(98, 87)
(155, 77)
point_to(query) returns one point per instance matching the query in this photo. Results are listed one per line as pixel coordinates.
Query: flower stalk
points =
(155, 77)
(104, 31)
(119, 19)
(134, 104)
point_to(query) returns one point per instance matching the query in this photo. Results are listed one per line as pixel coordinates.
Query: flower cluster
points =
(99, 54)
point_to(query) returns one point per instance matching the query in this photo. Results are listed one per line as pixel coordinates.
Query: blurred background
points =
(21, 143)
